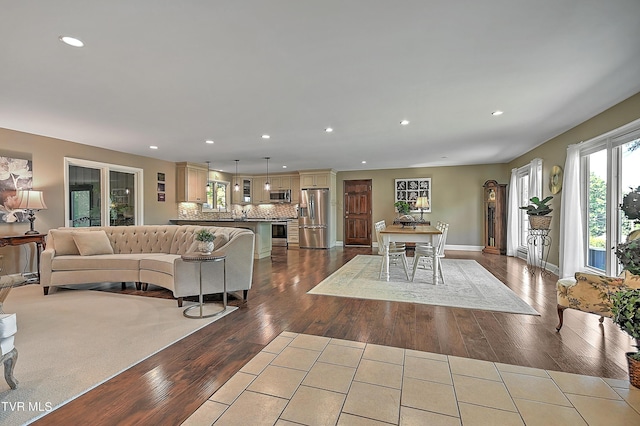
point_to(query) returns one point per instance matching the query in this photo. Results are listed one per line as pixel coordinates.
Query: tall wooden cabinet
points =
(495, 217)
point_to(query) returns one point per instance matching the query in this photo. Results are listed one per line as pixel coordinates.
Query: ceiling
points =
(174, 74)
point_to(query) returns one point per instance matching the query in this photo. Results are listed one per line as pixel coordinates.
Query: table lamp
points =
(31, 201)
(422, 203)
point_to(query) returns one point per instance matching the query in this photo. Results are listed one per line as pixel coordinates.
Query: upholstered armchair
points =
(592, 293)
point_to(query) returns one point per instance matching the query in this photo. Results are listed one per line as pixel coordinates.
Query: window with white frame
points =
(522, 184)
(609, 170)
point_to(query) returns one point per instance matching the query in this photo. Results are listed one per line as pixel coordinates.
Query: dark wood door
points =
(357, 212)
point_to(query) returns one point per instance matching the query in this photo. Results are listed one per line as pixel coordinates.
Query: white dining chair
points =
(396, 251)
(431, 254)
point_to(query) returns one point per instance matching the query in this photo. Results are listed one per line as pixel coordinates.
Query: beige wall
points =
(47, 155)
(456, 195)
(554, 152)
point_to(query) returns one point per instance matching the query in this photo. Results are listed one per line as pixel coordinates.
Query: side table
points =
(216, 256)
(16, 240)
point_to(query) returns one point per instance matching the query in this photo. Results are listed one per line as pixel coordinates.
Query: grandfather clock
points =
(495, 217)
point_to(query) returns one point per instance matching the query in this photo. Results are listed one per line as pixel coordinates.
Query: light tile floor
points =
(300, 379)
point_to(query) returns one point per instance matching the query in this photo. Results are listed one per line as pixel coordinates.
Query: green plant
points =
(626, 313)
(631, 205)
(204, 235)
(629, 256)
(403, 207)
(537, 207)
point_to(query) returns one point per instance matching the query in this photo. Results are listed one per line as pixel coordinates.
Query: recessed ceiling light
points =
(209, 142)
(498, 112)
(328, 130)
(404, 122)
(71, 41)
(284, 167)
(266, 137)
(364, 162)
(153, 147)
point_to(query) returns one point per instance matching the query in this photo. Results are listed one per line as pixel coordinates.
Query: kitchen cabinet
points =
(295, 189)
(317, 179)
(243, 195)
(258, 194)
(293, 233)
(280, 182)
(191, 183)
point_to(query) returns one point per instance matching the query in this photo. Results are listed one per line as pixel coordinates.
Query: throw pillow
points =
(630, 280)
(92, 242)
(63, 243)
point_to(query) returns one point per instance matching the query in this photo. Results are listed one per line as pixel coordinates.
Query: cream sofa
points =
(148, 255)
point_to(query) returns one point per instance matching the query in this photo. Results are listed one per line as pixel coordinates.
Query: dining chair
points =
(431, 254)
(396, 251)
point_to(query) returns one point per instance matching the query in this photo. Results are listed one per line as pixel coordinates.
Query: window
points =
(217, 193)
(523, 200)
(101, 194)
(609, 170)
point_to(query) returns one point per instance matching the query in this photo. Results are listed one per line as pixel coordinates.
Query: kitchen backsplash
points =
(193, 211)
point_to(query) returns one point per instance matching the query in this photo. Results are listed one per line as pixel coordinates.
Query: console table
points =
(16, 240)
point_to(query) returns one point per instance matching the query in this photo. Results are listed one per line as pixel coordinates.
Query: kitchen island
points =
(260, 227)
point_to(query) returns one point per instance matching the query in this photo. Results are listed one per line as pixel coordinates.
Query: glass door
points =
(85, 188)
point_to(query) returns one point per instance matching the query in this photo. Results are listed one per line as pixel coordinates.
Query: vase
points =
(205, 247)
(634, 370)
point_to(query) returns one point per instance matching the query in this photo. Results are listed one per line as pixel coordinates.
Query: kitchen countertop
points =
(283, 219)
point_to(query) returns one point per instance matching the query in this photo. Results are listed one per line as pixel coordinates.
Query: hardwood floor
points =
(167, 387)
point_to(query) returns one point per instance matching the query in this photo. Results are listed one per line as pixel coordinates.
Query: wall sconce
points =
(31, 201)
(422, 203)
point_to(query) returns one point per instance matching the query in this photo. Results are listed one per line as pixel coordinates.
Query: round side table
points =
(216, 256)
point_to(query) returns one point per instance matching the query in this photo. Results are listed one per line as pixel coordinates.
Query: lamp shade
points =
(31, 200)
(422, 203)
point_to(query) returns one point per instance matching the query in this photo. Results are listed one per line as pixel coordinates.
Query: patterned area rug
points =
(467, 285)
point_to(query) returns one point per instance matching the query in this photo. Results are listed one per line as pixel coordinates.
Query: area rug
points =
(467, 285)
(73, 340)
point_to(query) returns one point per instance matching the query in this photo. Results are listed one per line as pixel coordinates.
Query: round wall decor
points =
(555, 179)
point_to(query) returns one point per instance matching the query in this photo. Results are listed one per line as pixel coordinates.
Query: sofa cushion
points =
(160, 263)
(99, 261)
(92, 243)
(63, 242)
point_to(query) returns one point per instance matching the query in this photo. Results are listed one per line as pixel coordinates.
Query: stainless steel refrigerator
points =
(313, 218)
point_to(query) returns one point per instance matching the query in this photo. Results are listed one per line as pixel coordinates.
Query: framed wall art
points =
(410, 189)
(15, 174)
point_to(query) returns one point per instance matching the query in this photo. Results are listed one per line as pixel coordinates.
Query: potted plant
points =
(626, 313)
(205, 239)
(402, 207)
(629, 255)
(538, 210)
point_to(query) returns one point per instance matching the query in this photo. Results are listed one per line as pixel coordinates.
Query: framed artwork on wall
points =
(410, 189)
(15, 174)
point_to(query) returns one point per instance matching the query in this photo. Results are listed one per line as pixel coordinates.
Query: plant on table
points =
(538, 210)
(403, 207)
(206, 241)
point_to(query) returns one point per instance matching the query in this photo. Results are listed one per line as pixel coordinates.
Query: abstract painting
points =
(15, 174)
(410, 189)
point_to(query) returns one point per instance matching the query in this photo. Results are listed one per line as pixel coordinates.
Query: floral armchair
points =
(592, 293)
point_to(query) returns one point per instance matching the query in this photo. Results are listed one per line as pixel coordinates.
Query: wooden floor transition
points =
(169, 386)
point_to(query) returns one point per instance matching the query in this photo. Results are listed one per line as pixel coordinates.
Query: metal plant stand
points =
(538, 243)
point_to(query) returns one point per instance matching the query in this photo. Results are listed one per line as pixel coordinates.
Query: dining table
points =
(408, 234)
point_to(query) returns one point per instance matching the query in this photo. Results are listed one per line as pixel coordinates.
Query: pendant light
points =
(236, 187)
(208, 183)
(267, 185)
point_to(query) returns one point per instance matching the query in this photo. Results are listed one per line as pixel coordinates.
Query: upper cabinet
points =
(280, 182)
(316, 179)
(243, 194)
(191, 182)
(259, 195)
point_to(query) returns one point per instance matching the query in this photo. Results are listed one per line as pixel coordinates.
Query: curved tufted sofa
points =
(149, 255)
